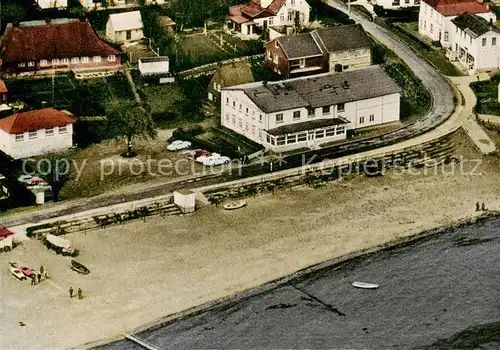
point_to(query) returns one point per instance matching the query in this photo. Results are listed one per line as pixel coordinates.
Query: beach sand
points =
(144, 270)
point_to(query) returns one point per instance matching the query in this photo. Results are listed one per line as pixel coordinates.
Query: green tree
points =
(13, 13)
(131, 120)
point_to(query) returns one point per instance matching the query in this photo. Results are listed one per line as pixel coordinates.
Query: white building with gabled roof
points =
(125, 27)
(310, 111)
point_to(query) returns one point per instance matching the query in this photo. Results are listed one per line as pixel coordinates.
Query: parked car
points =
(24, 178)
(26, 270)
(202, 158)
(211, 161)
(37, 181)
(178, 145)
(17, 273)
(199, 153)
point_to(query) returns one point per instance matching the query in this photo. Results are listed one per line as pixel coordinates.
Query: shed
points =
(185, 200)
(154, 65)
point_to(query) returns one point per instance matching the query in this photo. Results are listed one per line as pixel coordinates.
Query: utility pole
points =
(349, 8)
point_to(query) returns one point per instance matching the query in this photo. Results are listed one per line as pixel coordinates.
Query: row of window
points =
(65, 61)
(371, 118)
(398, 2)
(33, 135)
(241, 108)
(326, 110)
(240, 125)
(289, 139)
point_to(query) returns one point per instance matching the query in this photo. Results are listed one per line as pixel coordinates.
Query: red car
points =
(26, 271)
(199, 153)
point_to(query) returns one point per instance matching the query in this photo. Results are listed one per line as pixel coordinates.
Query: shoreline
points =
(299, 274)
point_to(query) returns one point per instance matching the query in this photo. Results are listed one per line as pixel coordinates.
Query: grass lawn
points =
(80, 97)
(222, 137)
(161, 98)
(487, 97)
(200, 49)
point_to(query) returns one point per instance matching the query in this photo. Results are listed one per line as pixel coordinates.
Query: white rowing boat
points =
(235, 205)
(365, 285)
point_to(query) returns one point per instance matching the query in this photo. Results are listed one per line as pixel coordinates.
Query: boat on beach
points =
(76, 266)
(365, 285)
(235, 205)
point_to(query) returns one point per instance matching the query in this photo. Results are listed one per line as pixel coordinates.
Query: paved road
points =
(440, 110)
(440, 292)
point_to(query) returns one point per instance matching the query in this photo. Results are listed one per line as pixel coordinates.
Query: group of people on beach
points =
(79, 293)
(480, 208)
(37, 277)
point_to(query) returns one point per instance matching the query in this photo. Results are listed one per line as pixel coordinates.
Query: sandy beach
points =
(145, 270)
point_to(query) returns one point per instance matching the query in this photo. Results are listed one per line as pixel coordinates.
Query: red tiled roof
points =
(457, 7)
(254, 10)
(4, 232)
(45, 118)
(3, 87)
(53, 40)
(276, 6)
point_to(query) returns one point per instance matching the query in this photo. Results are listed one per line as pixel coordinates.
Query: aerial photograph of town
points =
(249, 174)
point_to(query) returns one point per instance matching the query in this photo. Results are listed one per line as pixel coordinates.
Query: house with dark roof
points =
(248, 19)
(227, 75)
(32, 133)
(332, 49)
(434, 17)
(310, 111)
(475, 43)
(56, 45)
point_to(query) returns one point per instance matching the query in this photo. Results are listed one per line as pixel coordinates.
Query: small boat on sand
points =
(76, 266)
(235, 205)
(365, 285)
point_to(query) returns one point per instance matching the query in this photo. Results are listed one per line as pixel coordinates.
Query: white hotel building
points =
(310, 111)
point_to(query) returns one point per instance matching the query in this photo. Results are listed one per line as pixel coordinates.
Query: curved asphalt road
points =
(441, 108)
(440, 292)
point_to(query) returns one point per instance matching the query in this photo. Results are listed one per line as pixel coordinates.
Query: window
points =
(290, 16)
(279, 118)
(276, 59)
(19, 137)
(293, 2)
(233, 121)
(33, 135)
(85, 60)
(310, 112)
(260, 134)
(63, 130)
(234, 104)
(372, 117)
(253, 130)
(302, 136)
(227, 100)
(31, 64)
(269, 53)
(49, 132)
(227, 117)
(326, 110)
(22, 64)
(407, 1)
(431, 27)
(282, 17)
(240, 106)
(97, 59)
(270, 21)
(240, 123)
(128, 35)
(246, 110)
(296, 115)
(330, 132)
(260, 118)
(493, 41)
(395, 2)
(44, 63)
(65, 61)
(446, 36)
(55, 61)
(361, 120)
(111, 58)
(291, 138)
(246, 126)
(280, 140)
(340, 129)
(75, 60)
(341, 107)
(320, 134)
(483, 42)
(299, 63)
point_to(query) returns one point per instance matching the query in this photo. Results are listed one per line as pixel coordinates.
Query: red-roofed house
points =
(27, 134)
(435, 17)
(265, 13)
(61, 44)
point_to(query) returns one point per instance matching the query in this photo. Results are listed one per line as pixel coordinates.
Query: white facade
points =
(91, 4)
(154, 65)
(38, 142)
(437, 27)
(125, 27)
(240, 114)
(48, 4)
(394, 4)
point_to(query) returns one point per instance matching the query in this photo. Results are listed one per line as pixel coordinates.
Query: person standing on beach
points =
(477, 206)
(80, 293)
(41, 270)
(39, 276)
(71, 292)
(33, 279)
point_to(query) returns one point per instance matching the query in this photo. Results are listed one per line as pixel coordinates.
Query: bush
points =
(327, 14)
(437, 43)
(379, 53)
(187, 133)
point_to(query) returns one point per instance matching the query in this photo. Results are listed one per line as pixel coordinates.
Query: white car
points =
(17, 273)
(24, 178)
(202, 159)
(212, 161)
(178, 145)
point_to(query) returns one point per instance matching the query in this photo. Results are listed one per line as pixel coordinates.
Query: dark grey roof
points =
(320, 90)
(153, 59)
(331, 39)
(300, 45)
(345, 37)
(473, 24)
(307, 125)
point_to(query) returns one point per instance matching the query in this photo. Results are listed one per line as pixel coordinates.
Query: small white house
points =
(49, 4)
(434, 17)
(310, 111)
(154, 65)
(32, 133)
(125, 27)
